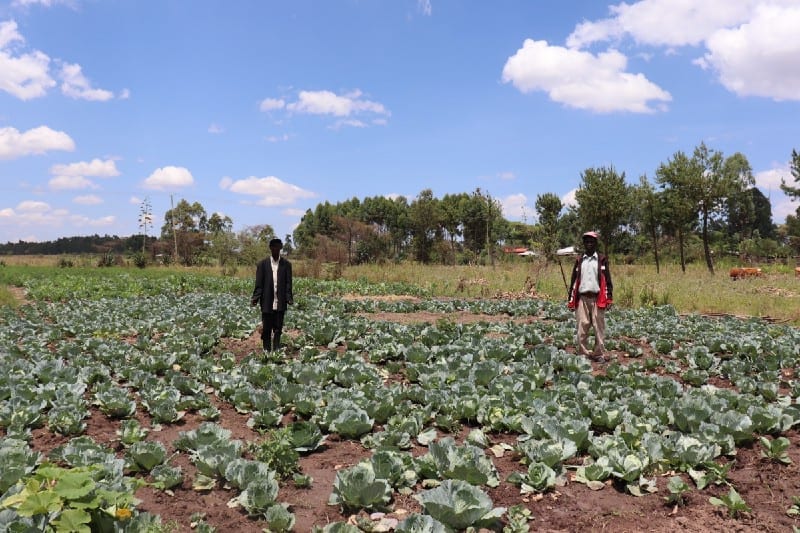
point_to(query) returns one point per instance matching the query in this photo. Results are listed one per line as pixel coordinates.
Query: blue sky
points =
(260, 110)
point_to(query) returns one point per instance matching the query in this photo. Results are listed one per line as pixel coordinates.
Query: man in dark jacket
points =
(590, 294)
(273, 291)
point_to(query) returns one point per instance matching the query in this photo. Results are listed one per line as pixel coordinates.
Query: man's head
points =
(590, 242)
(275, 246)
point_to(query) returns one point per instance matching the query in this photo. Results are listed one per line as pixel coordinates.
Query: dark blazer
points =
(264, 291)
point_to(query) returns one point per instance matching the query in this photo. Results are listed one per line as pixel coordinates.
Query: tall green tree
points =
(548, 207)
(254, 243)
(424, 222)
(680, 198)
(604, 202)
(185, 226)
(649, 212)
(794, 167)
(719, 179)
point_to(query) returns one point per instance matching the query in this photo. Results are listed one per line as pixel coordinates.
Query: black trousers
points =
(272, 323)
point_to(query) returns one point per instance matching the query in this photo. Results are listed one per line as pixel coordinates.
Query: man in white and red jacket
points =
(590, 294)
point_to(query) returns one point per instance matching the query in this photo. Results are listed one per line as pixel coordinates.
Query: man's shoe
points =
(598, 358)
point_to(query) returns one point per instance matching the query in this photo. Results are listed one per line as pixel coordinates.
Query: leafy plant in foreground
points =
(677, 489)
(357, 488)
(70, 500)
(459, 505)
(775, 449)
(733, 502)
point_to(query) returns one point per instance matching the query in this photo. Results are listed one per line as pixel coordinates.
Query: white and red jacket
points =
(604, 297)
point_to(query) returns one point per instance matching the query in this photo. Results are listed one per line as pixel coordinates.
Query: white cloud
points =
(62, 183)
(769, 182)
(568, 200)
(40, 216)
(33, 206)
(759, 58)
(270, 190)
(581, 79)
(270, 104)
(516, 206)
(95, 168)
(348, 107)
(330, 103)
(751, 45)
(124, 94)
(24, 76)
(169, 178)
(36, 141)
(662, 22)
(89, 199)
(215, 128)
(75, 85)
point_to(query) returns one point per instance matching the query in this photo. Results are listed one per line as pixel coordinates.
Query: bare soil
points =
(767, 487)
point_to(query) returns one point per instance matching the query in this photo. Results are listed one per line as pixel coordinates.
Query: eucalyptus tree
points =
(650, 213)
(548, 207)
(452, 213)
(604, 202)
(718, 179)
(424, 221)
(483, 223)
(680, 197)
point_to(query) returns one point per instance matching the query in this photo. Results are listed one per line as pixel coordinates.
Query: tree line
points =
(697, 207)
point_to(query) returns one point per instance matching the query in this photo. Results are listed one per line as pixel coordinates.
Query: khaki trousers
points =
(587, 314)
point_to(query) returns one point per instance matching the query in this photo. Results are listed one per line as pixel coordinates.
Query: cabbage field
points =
(139, 402)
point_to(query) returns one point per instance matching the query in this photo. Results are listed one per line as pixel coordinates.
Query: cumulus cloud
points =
(36, 141)
(40, 215)
(346, 107)
(270, 104)
(516, 206)
(74, 175)
(759, 58)
(269, 191)
(167, 178)
(582, 80)
(75, 85)
(568, 200)
(750, 45)
(769, 182)
(24, 75)
(95, 168)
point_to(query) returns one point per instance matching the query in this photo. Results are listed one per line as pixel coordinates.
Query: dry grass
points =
(776, 295)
